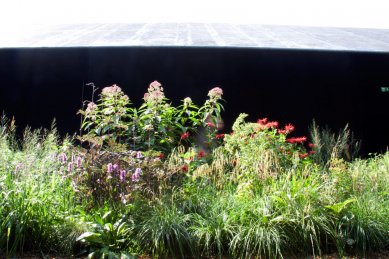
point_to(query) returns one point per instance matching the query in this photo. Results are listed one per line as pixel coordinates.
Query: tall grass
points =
(36, 196)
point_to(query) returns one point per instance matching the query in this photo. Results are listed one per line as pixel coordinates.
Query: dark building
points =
(290, 74)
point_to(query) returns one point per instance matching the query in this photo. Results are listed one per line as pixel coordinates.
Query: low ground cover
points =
(163, 181)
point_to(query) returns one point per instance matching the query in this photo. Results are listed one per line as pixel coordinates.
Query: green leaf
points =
(337, 208)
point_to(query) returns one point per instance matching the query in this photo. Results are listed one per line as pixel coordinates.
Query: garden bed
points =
(165, 181)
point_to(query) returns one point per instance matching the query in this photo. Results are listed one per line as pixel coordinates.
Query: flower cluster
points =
(296, 140)
(111, 90)
(154, 93)
(185, 135)
(215, 93)
(287, 129)
(264, 124)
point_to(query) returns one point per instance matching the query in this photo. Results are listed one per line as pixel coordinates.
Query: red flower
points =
(161, 156)
(289, 127)
(311, 145)
(210, 124)
(312, 152)
(184, 168)
(219, 136)
(262, 121)
(201, 154)
(185, 135)
(296, 140)
(271, 124)
(303, 155)
(284, 132)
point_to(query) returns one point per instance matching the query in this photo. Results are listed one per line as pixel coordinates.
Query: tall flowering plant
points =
(108, 118)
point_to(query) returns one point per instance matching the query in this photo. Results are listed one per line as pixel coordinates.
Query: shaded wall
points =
(332, 87)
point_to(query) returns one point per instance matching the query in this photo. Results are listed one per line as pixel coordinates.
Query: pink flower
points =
(111, 90)
(271, 124)
(296, 140)
(302, 156)
(161, 156)
(215, 93)
(62, 158)
(201, 154)
(78, 162)
(219, 136)
(70, 166)
(109, 168)
(289, 128)
(139, 155)
(262, 121)
(122, 175)
(90, 108)
(210, 124)
(311, 145)
(185, 136)
(136, 176)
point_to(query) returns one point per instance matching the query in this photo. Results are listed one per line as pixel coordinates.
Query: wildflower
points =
(262, 121)
(70, 166)
(111, 90)
(139, 155)
(185, 168)
(296, 140)
(109, 168)
(215, 93)
(312, 152)
(185, 136)
(283, 132)
(122, 175)
(219, 136)
(78, 162)
(187, 101)
(302, 156)
(91, 107)
(271, 124)
(311, 145)
(210, 124)
(289, 128)
(62, 158)
(201, 154)
(161, 156)
(115, 167)
(135, 176)
(154, 93)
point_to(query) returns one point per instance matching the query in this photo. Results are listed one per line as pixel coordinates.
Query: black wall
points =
(296, 86)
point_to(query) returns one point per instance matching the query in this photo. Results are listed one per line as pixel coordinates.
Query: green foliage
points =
(110, 237)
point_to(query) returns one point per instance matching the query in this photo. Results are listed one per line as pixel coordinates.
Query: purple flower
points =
(78, 162)
(122, 175)
(115, 167)
(62, 158)
(109, 168)
(139, 154)
(70, 166)
(135, 176)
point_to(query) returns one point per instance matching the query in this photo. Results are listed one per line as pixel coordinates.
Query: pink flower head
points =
(311, 145)
(90, 108)
(271, 124)
(109, 168)
(62, 158)
(135, 176)
(210, 124)
(296, 140)
(122, 175)
(219, 136)
(262, 121)
(185, 135)
(78, 162)
(283, 132)
(215, 93)
(289, 128)
(302, 156)
(201, 154)
(111, 90)
(70, 166)
(139, 155)
(154, 93)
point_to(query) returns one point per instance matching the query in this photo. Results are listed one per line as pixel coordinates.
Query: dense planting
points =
(164, 181)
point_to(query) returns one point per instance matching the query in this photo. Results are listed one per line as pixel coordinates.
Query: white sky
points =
(337, 13)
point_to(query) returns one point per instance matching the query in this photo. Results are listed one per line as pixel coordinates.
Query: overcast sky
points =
(338, 13)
